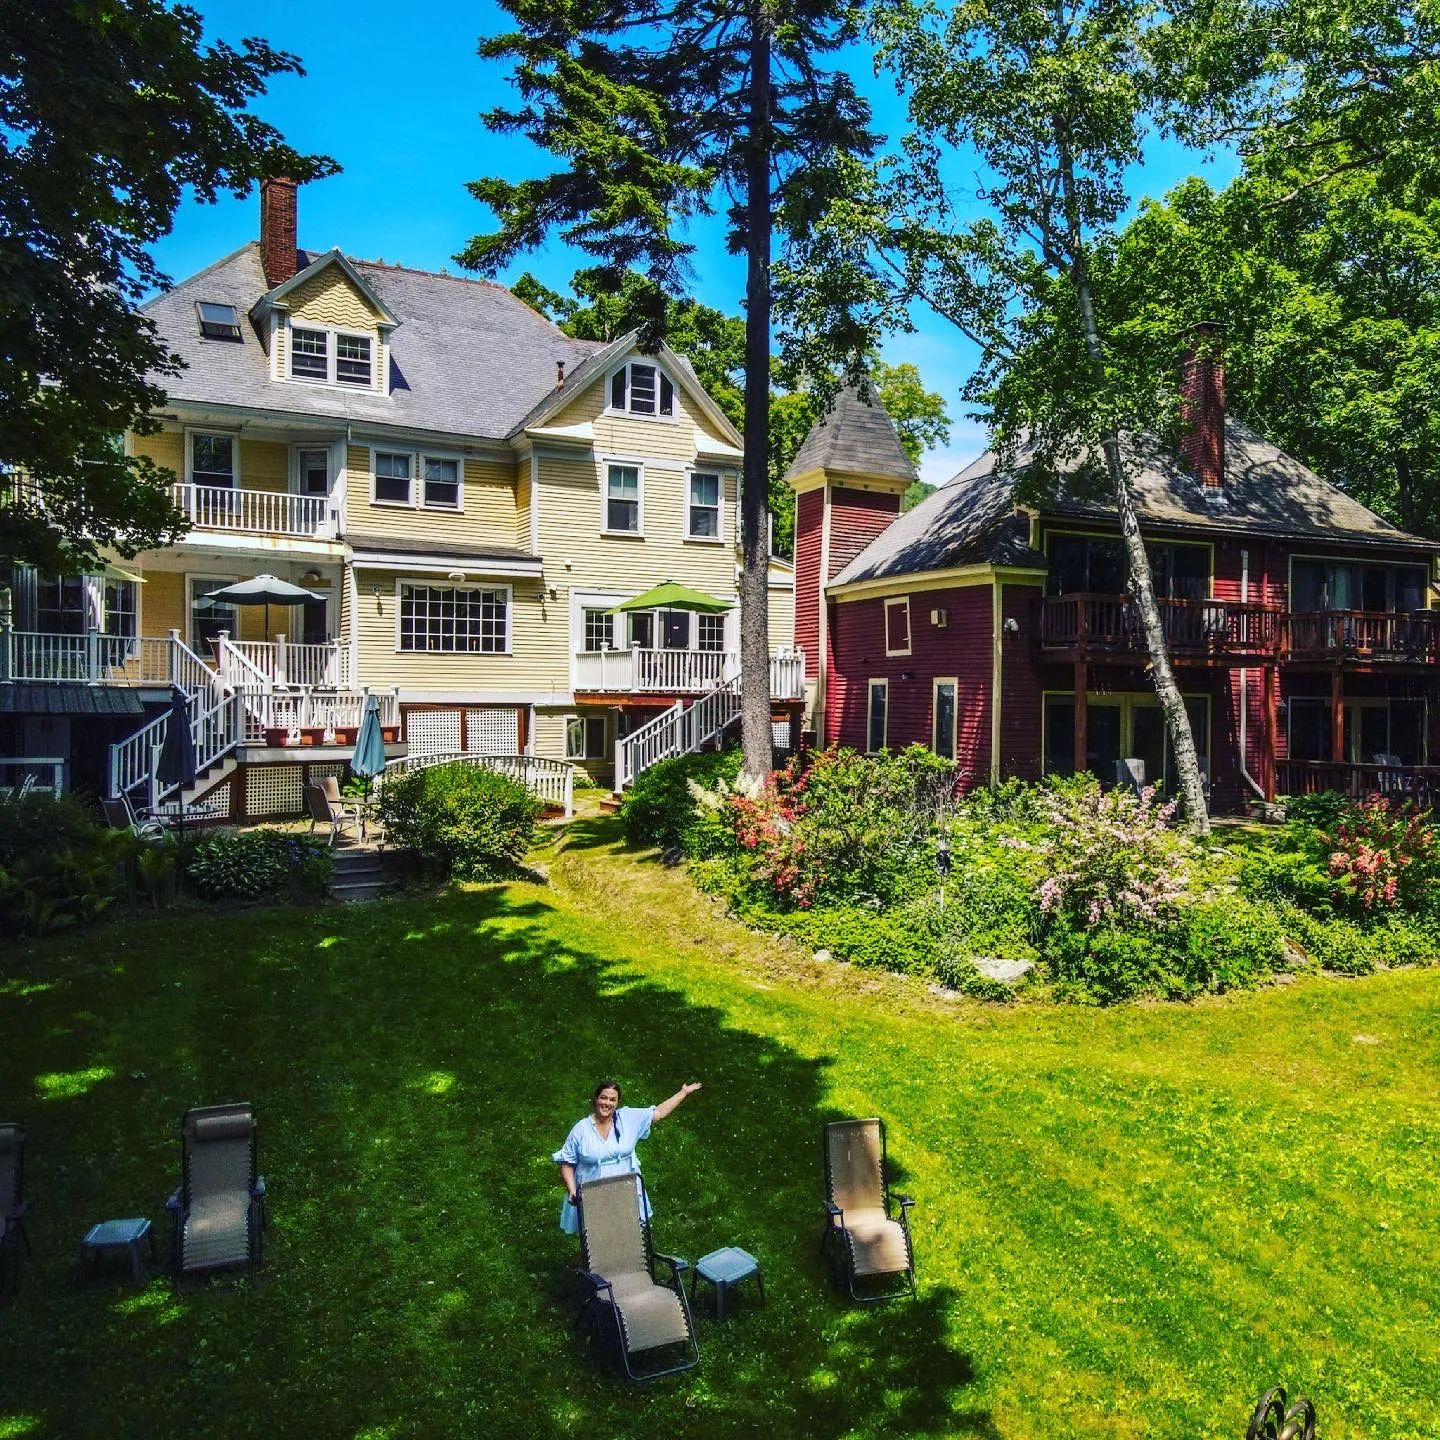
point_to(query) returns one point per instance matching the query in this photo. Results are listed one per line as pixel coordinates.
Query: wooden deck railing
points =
(1400, 782)
(1110, 624)
(1365, 635)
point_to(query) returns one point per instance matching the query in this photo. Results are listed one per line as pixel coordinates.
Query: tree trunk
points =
(1142, 582)
(755, 731)
(1405, 497)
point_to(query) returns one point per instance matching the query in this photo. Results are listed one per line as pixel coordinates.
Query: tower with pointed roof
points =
(849, 476)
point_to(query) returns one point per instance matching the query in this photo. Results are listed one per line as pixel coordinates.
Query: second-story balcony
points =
(1366, 636)
(1096, 625)
(650, 672)
(257, 512)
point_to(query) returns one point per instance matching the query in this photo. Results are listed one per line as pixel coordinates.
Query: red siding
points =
(961, 648)
(1022, 684)
(809, 522)
(856, 518)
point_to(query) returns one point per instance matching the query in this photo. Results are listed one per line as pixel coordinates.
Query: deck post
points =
(1081, 715)
(172, 657)
(634, 668)
(1337, 716)
(280, 666)
(1272, 716)
(7, 649)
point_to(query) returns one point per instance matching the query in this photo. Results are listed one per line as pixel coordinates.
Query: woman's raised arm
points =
(666, 1106)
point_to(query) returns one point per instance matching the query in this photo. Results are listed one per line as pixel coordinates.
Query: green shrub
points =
(1227, 943)
(660, 809)
(1288, 868)
(256, 864)
(57, 866)
(864, 937)
(1319, 811)
(1105, 963)
(460, 821)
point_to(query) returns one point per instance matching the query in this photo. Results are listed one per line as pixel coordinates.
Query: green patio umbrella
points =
(671, 596)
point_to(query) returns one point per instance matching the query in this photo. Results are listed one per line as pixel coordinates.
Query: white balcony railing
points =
(102, 659)
(639, 671)
(256, 512)
(281, 662)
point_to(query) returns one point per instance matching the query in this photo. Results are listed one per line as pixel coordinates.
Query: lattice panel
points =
(337, 768)
(780, 734)
(492, 732)
(274, 790)
(431, 731)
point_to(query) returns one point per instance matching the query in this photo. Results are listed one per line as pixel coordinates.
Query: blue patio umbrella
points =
(368, 759)
(177, 755)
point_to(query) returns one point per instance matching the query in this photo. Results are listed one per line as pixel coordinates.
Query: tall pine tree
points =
(661, 113)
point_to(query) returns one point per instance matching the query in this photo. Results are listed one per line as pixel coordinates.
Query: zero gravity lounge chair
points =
(218, 1213)
(647, 1314)
(12, 1199)
(861, 1239)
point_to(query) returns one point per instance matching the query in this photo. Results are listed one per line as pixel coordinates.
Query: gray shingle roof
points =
(856, 437)
(972, 518)
(23, 699)
(467, 358)
(365, 545)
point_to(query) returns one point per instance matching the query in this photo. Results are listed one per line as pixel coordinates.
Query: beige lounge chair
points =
(218, 1213)
(329, 812)
(619, 1274)
(863, 1242)
(13, 1204)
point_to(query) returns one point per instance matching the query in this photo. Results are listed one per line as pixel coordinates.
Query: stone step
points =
(352, 891)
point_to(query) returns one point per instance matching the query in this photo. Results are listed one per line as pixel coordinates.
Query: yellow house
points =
(465, 493)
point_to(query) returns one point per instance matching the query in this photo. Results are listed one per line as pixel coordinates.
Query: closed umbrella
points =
(176, 765)
(266, 590)
(369, 757)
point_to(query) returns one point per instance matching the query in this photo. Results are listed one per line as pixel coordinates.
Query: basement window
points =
(218, 322)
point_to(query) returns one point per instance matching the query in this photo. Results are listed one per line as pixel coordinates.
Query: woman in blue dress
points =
(603, 1144)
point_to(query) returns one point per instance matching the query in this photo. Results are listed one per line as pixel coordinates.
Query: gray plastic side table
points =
(725, 1269)
(119, 1235)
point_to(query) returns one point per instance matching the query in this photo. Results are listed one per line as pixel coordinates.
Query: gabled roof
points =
(468, 358)
(854, 437)
(277, 296)
(973, 519)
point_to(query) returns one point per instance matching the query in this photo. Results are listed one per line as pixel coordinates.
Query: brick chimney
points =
(1202, 405)
(278, 242)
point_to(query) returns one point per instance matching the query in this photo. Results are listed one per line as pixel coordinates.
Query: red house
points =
(1300, 624)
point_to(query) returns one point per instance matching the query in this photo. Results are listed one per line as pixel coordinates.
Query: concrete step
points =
(360, 890)
(610, 804)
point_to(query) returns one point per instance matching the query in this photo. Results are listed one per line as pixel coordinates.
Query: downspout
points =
(1245, 774)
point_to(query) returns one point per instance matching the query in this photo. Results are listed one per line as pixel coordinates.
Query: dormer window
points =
(331, 357)
(642, 389)
(218, 322)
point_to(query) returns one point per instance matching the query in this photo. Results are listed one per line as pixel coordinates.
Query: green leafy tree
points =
(659, 113)
(109, 110)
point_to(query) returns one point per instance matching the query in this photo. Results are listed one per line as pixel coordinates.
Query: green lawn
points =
(1129, 1221)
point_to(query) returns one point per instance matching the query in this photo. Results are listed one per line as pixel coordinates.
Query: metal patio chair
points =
(862, 1240)
(13, 1204)
(1275, 1420)
(645, 1314)
(325, 811)
(218, 1213)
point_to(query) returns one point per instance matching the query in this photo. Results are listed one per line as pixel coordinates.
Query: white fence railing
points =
(317, 711)
(103, 659)
(22, 775)
(259, 512)
(676, 731)
(552, 782)
(217, 726)
(639, 671)
(281, 662)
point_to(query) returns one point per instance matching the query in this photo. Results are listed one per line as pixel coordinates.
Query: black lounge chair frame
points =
(1275, 1420)
(179, 1202)
(12, 1216)
(836, 1244)
(600, 1304)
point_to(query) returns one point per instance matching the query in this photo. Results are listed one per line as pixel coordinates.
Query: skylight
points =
(218, 322)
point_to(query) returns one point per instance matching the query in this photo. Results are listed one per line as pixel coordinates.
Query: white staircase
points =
(678, 731)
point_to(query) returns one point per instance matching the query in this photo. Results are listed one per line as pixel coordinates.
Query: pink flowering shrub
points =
(1110, 857)
(1382, 856)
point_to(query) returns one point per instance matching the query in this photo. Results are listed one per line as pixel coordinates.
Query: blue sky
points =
(394, 92)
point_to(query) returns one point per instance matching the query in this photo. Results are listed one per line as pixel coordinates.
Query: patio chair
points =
(13, 1204)
(1130, 774)
(329, 812)
(646, 1314)
(120, 815)
(862, 1240)
(218, 1213)
(1275, 1420)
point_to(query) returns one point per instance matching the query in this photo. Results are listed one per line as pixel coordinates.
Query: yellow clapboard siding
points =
(539, 629)
(166, 448)
(330, 299)
(162, 603)
(782, 617)
(264, 465)
(489, 517)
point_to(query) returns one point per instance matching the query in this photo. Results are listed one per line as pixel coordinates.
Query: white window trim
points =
(430, 582)
(409, 504)
(870, 690)
(332, 355)
(604, 736)
(611, 409)
(607, 463)
(723, 479)
(421, 456)
(195, 589)
(332, 473)
(889, 605)
(953, 681)
(232, 435)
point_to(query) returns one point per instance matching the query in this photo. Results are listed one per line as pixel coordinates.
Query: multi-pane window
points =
(218, 322)
(942, 738)
(1092, 565)
(392, 477)
(442, 482)
(212, 460)
(309, 354)
(599, 630)
(642, 628)
(703, 511)
(711, 632)
(60, 604)
(622, 499)
(314, 472)
(642, 389)
(454, 618)
(585, 737)
(352, 359)
(897, 626)
(120, 617)
(877, 715)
